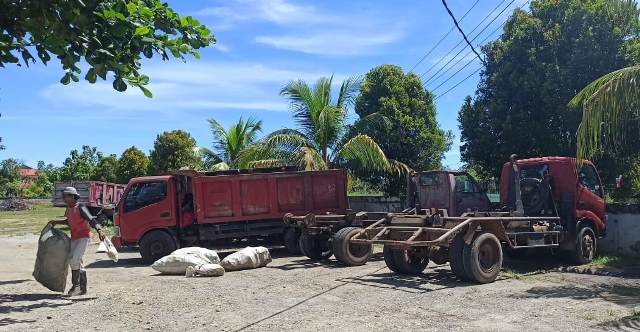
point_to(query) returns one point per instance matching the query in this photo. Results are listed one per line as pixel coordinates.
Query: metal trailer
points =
(472, 243)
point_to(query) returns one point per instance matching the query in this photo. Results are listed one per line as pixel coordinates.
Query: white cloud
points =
(195, 85)
(309, 29)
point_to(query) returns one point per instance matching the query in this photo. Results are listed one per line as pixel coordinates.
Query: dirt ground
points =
(293, 293)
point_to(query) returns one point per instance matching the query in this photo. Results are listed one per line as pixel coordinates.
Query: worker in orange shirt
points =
(80, 221)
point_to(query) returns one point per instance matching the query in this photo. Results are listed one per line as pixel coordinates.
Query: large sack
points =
(209, 255)
(178, 261)
(247, 258)
(106, 246)
(205, 270)
(52, 259)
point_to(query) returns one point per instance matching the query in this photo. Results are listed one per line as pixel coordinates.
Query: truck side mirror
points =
(619, 181)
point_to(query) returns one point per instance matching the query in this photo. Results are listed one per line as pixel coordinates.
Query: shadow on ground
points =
(123, 262)
(625, 295)
(302, 262)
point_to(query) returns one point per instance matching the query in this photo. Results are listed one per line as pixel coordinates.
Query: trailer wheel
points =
(315, 247)
(350, 254)
(483, 258)
(456, 252)
(585, 247)
(292, 241)
(389, 259)
(407, 262)
(155, 245)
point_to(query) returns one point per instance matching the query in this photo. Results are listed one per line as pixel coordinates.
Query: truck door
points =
(590, 192)
(468, 196)
(147, 205)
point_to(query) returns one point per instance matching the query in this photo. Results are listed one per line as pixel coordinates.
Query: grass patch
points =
(32, 221)
(29, 221)
(619, 262)
(365, 194)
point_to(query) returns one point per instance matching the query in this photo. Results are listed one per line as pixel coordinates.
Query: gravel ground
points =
(293, 293)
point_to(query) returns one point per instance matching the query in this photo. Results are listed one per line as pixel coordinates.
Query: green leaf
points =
(184, 48)
(141, 31)
(146, 91)
(119, 84)
(91, 75)
(66, 79)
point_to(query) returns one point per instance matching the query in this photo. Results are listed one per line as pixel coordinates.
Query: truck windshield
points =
(143, 194)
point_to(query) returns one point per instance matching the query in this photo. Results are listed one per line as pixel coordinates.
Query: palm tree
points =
(610, 112)
(322, 140)
(230, 144)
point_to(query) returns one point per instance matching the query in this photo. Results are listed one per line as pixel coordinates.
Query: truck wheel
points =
(348, 253)
(483, 258)
(410, 261)
(315, 247)
(456, 248)
(585, 247)
(389, 259)
(155, 245)
(292, 241)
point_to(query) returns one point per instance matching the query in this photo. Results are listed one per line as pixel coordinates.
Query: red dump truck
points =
(96, 195)
(162, 213)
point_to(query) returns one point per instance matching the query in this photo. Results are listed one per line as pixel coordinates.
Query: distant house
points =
(27, 174)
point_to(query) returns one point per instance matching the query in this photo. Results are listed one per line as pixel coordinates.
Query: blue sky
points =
(261, 46)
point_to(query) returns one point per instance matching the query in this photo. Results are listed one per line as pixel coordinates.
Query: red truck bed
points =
(268, 196)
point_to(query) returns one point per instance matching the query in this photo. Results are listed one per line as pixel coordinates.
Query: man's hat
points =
(70, 191)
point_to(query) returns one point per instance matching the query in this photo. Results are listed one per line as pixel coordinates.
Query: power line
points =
(455, 22)
(461, 41)
(443, 38)
(433, 80)
(468, 63)
(456, 85)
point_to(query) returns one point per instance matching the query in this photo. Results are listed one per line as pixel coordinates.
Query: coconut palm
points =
(229, 144)
(610, 112)
(321, 140)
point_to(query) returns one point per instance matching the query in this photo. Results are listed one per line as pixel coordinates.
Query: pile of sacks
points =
(196, 261)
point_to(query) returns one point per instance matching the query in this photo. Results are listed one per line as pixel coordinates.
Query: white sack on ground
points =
(52, 259)
(178, 261)
(205, 270)
(247, 258)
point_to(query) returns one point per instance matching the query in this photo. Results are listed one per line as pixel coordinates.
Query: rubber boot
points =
(75, 283)
(83, 282)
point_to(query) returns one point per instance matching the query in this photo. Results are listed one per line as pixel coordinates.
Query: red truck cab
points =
(162, 213)
(561, 186)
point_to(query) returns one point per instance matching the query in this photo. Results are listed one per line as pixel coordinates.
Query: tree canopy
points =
(106, 169)
(320, 142)
(80, 165)
(399, 114)
(109, 36)
(542, 59)
(229, 145)
(132, 163)
(173, 150)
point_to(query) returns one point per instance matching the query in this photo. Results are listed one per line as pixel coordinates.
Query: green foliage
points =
(132, 163)
(110, 36)
(534, 69)
(106, 169)
(44, 184)
(399, 114)
(229, 144)
(80, 165)
(10, 181)
(321, 141)
(174, 150)
(610, 114)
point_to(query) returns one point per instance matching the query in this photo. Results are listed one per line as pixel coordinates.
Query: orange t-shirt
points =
(79, 227)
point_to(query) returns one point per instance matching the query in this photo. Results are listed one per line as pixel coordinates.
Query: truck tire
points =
(410, 262)
(585, 246)
(155, 245)
(456, 252)
(348, 253)
(292, 241)
(389, 259)
(315, 247)
(483, 258)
